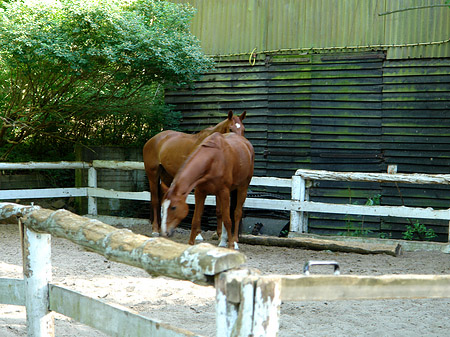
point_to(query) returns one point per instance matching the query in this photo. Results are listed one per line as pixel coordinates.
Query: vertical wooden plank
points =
(299, 220)
(92, 182)
(226, 311)
(37, 275)
(244, 322)
(235, 292)
(267, 307)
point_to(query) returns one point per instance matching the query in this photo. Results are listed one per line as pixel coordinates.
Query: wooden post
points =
(92, 182)
(267, 307)
(299, 219)
(37, 272)
(235, 298)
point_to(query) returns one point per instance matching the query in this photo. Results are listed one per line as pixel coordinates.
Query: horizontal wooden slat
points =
(43, 193)
(402, 211)
(12, 291)
(326, 288)
(62, 165)
(113, 320)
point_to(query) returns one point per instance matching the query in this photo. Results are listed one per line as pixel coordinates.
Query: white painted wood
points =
(298, 194)
(267, 307)
(118, 165)
(375, 177)
(353, 287)
(92, 183)
(395, 211)
(37, 275)
(12, 291)
(104, 193)
(114, 320)
(44, 166)
(270, 181)
(43, 193)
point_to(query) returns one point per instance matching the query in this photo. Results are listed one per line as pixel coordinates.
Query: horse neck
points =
(193, 170)
(221, 128)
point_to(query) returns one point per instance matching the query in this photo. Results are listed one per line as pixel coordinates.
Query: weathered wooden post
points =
(92, 182)
(247, 305)
(37, 272)
(299, 219)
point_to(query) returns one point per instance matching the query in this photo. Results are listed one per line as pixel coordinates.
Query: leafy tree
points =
(70, 69)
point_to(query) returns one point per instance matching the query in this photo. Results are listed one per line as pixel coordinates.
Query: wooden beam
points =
(395, 211)
(322, 244)
(39, 193)
(114, 320)
(9, 209)
(12, 291)
(415, 178)
(62, 165)
(158, 256)
(352, 287)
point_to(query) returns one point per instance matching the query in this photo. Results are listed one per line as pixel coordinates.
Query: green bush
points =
(92, 71)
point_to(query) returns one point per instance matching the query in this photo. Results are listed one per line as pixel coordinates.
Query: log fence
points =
(247, 303)
(299, 205)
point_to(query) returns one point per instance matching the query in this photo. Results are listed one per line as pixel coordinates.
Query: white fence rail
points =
(299, 205)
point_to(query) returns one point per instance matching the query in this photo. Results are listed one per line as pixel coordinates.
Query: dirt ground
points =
(191, 307)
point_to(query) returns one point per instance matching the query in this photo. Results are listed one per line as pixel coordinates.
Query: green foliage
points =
(418, 231)
(92, 71)
(352, 229)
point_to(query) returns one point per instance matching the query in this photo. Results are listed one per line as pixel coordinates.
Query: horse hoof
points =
(236, 247)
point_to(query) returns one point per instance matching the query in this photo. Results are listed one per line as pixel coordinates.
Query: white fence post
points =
(37, 272)
(299, 219)
(92, 182)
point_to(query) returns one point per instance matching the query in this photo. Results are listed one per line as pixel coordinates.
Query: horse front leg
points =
(197, 219)
(155, 202)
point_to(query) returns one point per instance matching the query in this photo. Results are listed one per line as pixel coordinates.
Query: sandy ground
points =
(191, 307)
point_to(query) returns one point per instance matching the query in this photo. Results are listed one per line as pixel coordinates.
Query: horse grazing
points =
(221, 163)
(165, 153)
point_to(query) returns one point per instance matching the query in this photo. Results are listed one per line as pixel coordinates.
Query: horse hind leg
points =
(241, 195)
(227, 238)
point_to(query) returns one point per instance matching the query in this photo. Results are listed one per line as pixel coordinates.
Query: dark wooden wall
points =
(339, 112)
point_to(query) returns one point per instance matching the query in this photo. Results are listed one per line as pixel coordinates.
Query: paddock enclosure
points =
(192, 306)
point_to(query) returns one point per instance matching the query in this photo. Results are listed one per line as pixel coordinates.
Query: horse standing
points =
(220, 164)
(165, 153)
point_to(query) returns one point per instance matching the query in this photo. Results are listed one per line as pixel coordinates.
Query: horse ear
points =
(230, 115)
(242, 116)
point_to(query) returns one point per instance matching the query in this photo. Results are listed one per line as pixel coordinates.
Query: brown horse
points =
(165, 153)
(220, 164)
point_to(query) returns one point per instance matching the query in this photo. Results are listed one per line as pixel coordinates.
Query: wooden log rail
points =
(158, 256)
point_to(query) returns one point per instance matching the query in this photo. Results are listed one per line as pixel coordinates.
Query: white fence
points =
(247, 304)
(299, 205)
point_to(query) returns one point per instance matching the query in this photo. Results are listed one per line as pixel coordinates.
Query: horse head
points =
(233, 123)
(173, 209)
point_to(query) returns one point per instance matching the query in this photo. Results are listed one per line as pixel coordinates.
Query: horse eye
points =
(173, 208)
